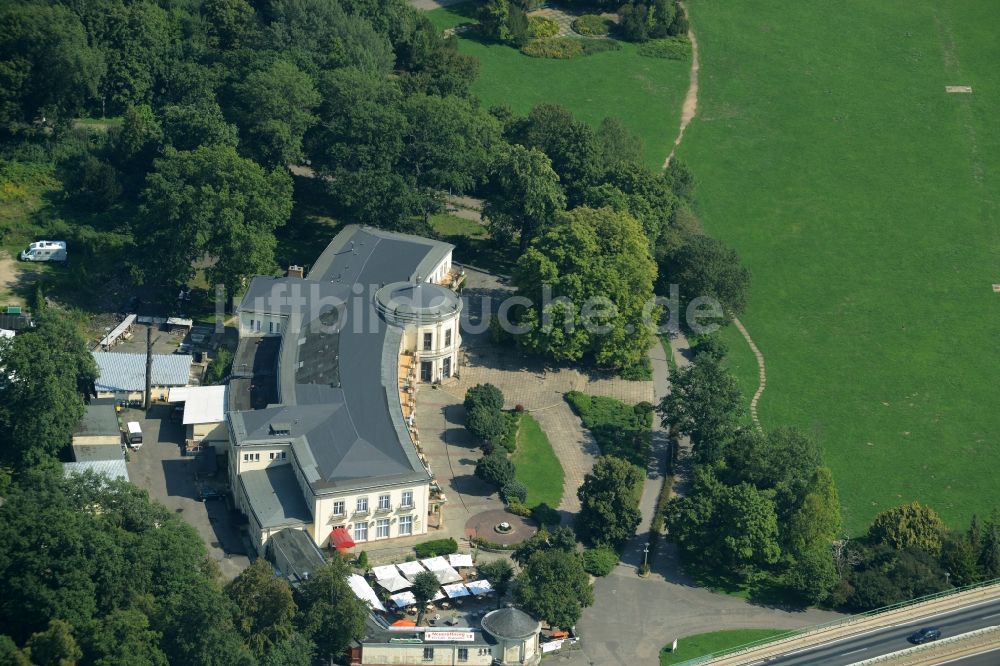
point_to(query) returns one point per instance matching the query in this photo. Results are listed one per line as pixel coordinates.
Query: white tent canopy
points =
(435, 563)
(455, 590)
(403, 599)
(385, 571)
(460, 560)
(447, 575)
(364, 591)
(410, 569)
(394, 583)
(479, 587)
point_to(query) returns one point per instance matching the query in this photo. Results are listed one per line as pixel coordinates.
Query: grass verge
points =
(536, 464)
(700, 645)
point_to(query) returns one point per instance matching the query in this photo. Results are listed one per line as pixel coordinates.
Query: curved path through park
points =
(688, 112)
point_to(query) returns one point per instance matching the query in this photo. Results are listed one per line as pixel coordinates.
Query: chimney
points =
(295, 272)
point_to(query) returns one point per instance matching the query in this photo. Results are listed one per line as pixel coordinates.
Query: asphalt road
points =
(991, 658)
(891, 639)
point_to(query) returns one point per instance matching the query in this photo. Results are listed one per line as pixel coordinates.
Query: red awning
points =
(341, 539)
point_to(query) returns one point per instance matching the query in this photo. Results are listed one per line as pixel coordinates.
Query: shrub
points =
(518, 509)
(559, 48)
(483, 395)
(620, 429)
(671, 48)
(545, 515)
(514, 490)
(599, 561)
(540, 27)
(495, 468)
(509, 439)
(592, 25)
(487, 424)
(363, 560)
(436, 547)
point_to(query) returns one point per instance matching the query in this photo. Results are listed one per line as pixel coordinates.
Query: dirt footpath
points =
(13, 278)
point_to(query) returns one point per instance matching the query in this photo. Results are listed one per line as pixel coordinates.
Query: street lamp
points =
(645, 556)
(947, 578)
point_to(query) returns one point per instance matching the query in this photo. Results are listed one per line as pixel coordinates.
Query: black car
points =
(209, 494)
(925, 635)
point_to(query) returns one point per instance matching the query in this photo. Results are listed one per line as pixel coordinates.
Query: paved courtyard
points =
(169, 478)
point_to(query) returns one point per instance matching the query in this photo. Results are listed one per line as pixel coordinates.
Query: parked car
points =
(209, 493)
(177, 414)
(134, 434)
(925, 635)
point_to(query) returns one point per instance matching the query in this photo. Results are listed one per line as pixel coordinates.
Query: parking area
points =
(178, 482)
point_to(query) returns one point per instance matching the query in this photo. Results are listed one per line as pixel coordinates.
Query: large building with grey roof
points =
(321, 398)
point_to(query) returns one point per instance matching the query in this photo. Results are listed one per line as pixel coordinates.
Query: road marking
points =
(903, 623)
(844, 654)
(989, 616)
(963, 658)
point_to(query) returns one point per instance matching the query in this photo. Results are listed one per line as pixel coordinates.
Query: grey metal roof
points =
(99, 419)
(113, 469)
(338, 363)
(127, 372)
(293, 554)
(510, 623)
(275, 497)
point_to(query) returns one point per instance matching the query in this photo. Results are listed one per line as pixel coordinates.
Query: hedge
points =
(599, 561)
(436, 547)
(672, 48)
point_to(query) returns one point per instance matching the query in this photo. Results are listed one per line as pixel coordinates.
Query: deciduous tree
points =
(554, 587)
(609, 502)
(525, 195)
(589, 279)
(47, 372)
(264, 607)
(210, 201)
(909, 525)
(500, 574)
(706, 403)
(331, 615)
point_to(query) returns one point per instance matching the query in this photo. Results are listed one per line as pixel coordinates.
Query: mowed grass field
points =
(699, 645)
(644, 93)
(865, 200)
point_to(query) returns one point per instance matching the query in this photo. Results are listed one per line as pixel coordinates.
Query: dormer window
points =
(280, 428)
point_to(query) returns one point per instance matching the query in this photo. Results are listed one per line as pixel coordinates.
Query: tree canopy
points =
(609, 502)
(590, 280)
(49, 370)
(210, 201)
(554, 587)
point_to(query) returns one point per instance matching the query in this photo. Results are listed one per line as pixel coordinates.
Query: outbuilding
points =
(204, 415)
(123, 376)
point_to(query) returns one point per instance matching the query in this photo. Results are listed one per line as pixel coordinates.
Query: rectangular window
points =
(463, 654)
(361, 531)
(447, 338)
(246, 457)
(382, 528)
(362, 505)
(428, 654)
(251, 324)
(283, 454)
(407, 501)
(446, 367)
(338, 508)
(405, 525)
(384, 503)
(277, 327)
(271, 454)
(428, 341)
(426, 368)
(256, 457)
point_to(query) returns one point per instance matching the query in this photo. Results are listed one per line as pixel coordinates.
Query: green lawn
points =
(645, 93)
(865, 201)
(703, 644)
(536, 465)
